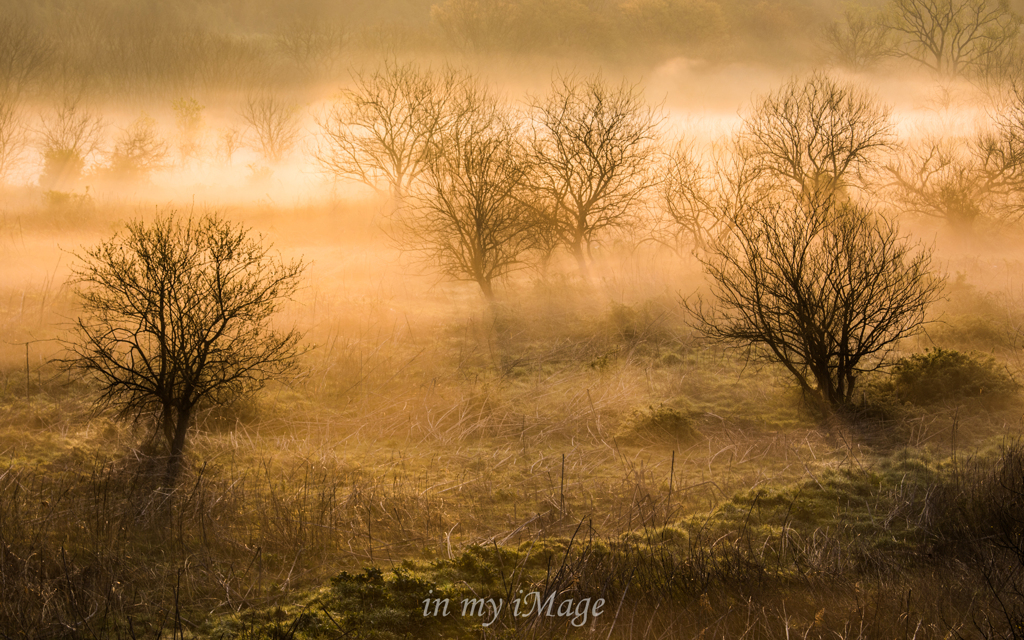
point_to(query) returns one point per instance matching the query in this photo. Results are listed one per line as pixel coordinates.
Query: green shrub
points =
(937, 374)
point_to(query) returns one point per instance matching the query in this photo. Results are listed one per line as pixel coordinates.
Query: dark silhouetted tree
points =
(825, 292)
(962, 180)
(970, 177)
(176, 315)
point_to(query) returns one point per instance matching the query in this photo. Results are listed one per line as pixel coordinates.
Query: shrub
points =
(138, 151)
(638, 324)
(69, 136)
(926, 378)
(67, 202)
(660, 424)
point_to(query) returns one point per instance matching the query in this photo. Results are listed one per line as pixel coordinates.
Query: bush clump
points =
(926, 378)
(637, 325)
(659, 424)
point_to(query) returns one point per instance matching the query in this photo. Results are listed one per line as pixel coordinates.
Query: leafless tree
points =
(702, 189)
(312, 42)
(960, 179)
(688, 198)
(176, 315)
(595, 146)
(69, 136)
(813, 137)
(229, 141)
(952, 36)
(383, 130)
(272, 125)
(138, 151)
(474, 217)
(826, 292)
(12, 134)
(24, 55)
(970, 177)
(860, 39)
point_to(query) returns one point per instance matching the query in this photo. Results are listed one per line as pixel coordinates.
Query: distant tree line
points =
(131, 49)
(127, 49)
(976, 38)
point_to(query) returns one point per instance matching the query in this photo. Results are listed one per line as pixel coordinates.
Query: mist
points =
(512, 319)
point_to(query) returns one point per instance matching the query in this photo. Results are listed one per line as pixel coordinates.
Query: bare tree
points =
(12, 134)
(687, 195)
(952, 36)
(25, 55)
(383, 130)
(475, 218)
(826, 292)
(176, 316)
(701, 190)
(595, 146)
(860, 40)
(813, 137)
(69, 137)
(312, 42)
(970, 177)
(138, 151)
(229, 140)
(960, 179)
(273, 127)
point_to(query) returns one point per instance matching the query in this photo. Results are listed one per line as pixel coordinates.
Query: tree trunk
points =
(487, 289)
(167, 423)
(176, 458)
(502, 322)
(827, 388)
(581, 260)
(397, 202)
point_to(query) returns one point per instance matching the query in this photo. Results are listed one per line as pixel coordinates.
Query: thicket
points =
(125, 49)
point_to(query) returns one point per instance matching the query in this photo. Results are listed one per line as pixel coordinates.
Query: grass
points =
(601, 452)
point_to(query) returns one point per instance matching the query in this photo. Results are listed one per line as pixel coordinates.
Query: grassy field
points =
(603, 452)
